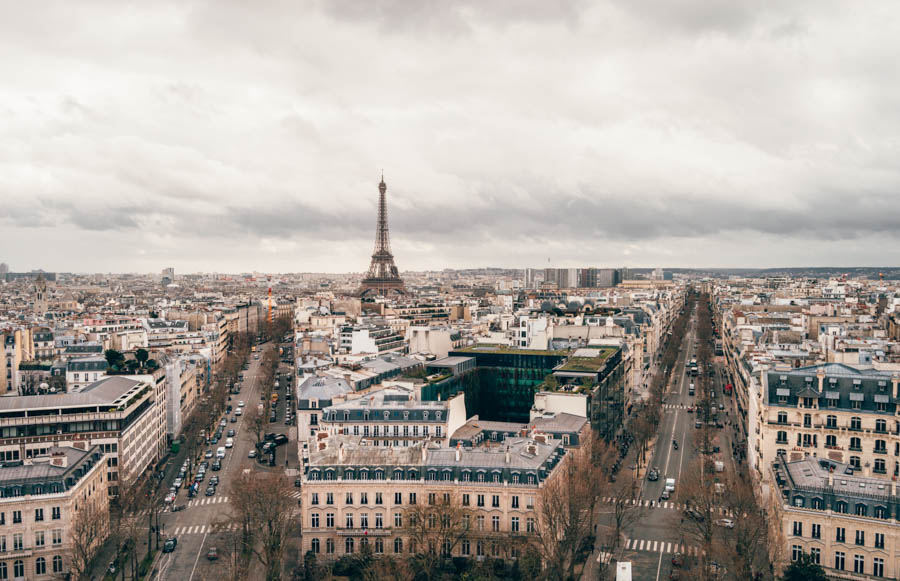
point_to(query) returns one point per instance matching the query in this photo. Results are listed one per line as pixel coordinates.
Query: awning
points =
(856, 397)
(880, 398)
(781, 391)
(832, 395)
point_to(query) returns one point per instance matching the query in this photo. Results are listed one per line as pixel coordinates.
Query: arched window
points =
(447, 475)
(413, 475)
(855, 443)
(18, 568)
(880, 426)
(855, 423)
(348, 545)
(831, 422)
(4, 572)
(57, 564)
(480, 477)
(782, 437)
(364, 474)
(315, 546)
(40, 566)
(831, 441)
(398, 543)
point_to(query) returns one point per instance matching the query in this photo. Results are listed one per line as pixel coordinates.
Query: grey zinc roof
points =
(561, 422)
(323, 388)
(475, 426)
(103, 392)
(37, 473)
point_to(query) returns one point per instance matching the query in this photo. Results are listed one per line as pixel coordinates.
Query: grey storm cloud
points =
(238, 136)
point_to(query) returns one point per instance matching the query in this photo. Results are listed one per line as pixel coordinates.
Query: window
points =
(18, 568)
(855, 444)
(796, 551)
(831, 441)
(348, 520)
(56, 536)
(379, 545)
(782, 417)
(314, 521)
(348, 545)
(839, 560)
(364, 498)
(314, 498)
(348, 499)
(880, 466)
(364, 520)
(465, 500)
(412, 497)
(861, 509)
(817, 503)
(464, 548)
(329, 546)
(798, 529)
(854, 461)
(816, 555)
(479, 522)
(495, 501)
(529, 525)
(807, 420)
(329, 498)
(18, 543)
(398, 520)
(880, 426)
(431, 497)
(880, 447)
(514, 524)
(515, 502)
(878, 567)
(855, 423)
(816, 531)
(831, 422)
(398, 545)
(39, 539)
(398, 498)
(17, 516)
(39, 513)
(57, 564)
(480, 500)
(378, 498)
(329, 520)
(861, 538)
(840, 534)
(879, 540)
(495, 523)
(2, 543)
(859, 564)
(4, 573)
(315, 546)
(782, 437)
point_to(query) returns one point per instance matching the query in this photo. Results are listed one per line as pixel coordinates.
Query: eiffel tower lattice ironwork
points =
(383, 277)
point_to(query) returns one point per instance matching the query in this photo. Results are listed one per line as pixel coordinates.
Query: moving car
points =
(231, 433)
(217, 465)
(694, 515)
(220, 453)
(234, 417)
(212, 554)
(241, 404)
(214, 481)
(251, 454)
(670, 484)
(170, 545)
(238, 412)
(653, 475)
(210, 490)
(229, 443)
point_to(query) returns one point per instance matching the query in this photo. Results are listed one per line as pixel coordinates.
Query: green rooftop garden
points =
(498, 348)
(587, 364)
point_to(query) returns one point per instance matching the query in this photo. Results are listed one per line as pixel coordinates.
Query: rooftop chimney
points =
(341, 452)
(424, 452)
(458, 453)
(507, 454)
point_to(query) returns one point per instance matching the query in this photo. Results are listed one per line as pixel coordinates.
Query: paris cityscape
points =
(420, 291)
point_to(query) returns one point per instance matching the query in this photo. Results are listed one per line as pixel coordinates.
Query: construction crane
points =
(270, 305)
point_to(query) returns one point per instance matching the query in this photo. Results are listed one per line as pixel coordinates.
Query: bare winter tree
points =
(264, 511)
(436, 528)
(746, 549)
(90, 525)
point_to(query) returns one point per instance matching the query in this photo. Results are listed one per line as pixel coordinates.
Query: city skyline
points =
(600, 134)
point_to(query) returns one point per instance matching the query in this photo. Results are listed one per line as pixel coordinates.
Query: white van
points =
(220, 453)
(229, 442)
(670, 483)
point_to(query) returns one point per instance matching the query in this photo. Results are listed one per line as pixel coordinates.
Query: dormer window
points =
(857, 384)
(405, 415)
(314, 403)
(438, 416)
(425, 415)
(387, 414)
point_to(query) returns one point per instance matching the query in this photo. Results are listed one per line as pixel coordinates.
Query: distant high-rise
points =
(40, 296)
(168, 276)
(383, 277)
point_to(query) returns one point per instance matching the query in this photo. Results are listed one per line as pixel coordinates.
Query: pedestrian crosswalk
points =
(662, 547)
(203, 529)
(207, 500)
(676, 406)
(663, 504)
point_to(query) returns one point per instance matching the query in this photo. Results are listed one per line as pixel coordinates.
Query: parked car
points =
(217, 465)
(694, 515)
(231, 433)
(234, 417)
(170, 545)
(241, 404)
(280, 439)
(214, 481)
(251, 454)
(238, 412)
(725, 522)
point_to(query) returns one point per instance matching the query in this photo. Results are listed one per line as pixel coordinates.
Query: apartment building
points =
(832, 411)
(395, 417)
(314, 395)
(83, 371)
(375, 339)
(119, 414)
(354, 494)
(39, 505)
(846, 522)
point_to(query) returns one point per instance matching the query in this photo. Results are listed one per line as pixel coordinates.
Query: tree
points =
(804, 569)
(264, 511)
(89, 528)
(114, 358)
(438, 527)
(747, 548)
(142, 355)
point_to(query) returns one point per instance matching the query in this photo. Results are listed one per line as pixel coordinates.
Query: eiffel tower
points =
(383, 277)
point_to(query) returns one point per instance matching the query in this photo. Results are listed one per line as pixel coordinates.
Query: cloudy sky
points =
(237, 136)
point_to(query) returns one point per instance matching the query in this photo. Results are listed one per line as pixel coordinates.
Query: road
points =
(653, 539)
(195, 526)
